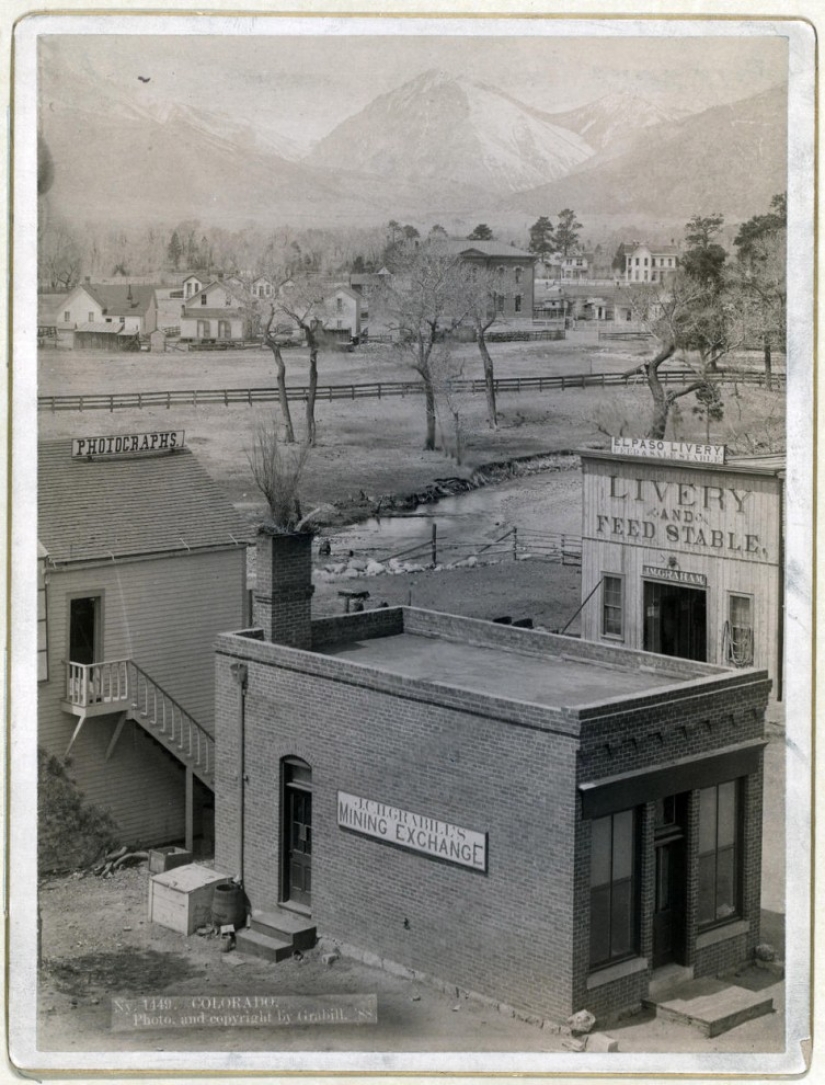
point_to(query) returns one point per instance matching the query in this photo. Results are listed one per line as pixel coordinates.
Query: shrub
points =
(71, 833)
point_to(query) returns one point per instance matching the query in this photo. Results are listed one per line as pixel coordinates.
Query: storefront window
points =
(612, 606)
(719, 853)
(612, 888)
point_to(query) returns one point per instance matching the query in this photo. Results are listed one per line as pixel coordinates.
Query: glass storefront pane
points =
(600, 925)
(707, 889)
(707, 820)
(622, 845)
(725, 884)
(727, 814)
(600, 851)
(622, 919)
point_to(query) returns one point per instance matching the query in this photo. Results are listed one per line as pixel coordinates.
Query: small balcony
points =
(96, 689)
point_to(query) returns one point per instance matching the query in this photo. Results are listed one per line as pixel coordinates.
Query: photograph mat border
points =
(22, 873)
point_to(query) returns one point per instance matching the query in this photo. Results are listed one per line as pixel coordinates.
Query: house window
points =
(739, 631)
(612, 606)
(499, 270)
(67, 316)
(719, 852)
(204, 330)
(499, 303)
(203, 299)
(637, 261)
(517, 303)
(613, 924)
(91, 318)
(517, 274)
(339, 305)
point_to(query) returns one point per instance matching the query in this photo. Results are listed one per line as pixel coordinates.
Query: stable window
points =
(739, 630)
(719, 853)
(612, 606)
(613, 923)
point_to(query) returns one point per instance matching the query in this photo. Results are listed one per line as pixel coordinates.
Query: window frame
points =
(634, 928)
(729, 649)
(738, 865)
(604, 632)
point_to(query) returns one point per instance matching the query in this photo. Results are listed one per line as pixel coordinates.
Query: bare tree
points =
(277, 474)
(59, 257)
(301, 300)
(423, 304)
(671, 313)
(481, 293)
(270, 339)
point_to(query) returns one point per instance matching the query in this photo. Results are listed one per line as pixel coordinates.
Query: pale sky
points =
(304, 86)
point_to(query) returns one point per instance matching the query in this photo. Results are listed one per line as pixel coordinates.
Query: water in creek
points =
(537, 506)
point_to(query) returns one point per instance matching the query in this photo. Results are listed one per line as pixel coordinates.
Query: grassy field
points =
(376, 446)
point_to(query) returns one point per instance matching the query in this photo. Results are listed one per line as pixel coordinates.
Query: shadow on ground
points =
(127, 969)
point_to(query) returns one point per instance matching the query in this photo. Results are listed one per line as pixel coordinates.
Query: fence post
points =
(515, 544)
(433, 545)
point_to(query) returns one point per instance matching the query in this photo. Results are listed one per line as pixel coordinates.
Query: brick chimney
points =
(282, 601)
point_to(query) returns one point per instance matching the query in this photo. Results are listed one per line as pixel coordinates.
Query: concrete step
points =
(256, 944)
(711, 1005)
(286, 925)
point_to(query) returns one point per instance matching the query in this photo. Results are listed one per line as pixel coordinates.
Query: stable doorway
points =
(297, 836)
(675, 622)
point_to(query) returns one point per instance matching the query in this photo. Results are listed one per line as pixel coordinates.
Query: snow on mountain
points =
(443, 129)
(611, 118)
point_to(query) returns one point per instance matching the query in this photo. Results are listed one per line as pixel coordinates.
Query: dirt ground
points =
(98, 943)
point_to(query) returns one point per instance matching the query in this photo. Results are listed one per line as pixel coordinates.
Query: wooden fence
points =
(111, 401)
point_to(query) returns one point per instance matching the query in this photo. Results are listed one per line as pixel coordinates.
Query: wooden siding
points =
(164, 614)
(638, 520)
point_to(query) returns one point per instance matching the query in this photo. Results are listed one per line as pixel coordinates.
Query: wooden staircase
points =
(122, 687)
(276, 935)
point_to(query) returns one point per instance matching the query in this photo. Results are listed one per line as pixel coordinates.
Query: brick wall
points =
(520, 931)
(282, 600)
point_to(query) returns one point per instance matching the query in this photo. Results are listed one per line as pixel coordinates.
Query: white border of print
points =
(22, 934)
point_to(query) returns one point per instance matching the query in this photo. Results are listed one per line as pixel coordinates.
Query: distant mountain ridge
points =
(437, 146)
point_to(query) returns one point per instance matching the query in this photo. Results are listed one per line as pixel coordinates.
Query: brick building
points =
(539, 819)
(685, 556)
(141, 563)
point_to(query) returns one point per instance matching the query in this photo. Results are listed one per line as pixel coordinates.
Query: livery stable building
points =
(542, 820)
(141, 562)
(682, 552)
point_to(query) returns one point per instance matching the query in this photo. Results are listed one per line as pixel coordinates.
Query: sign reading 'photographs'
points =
(667, 450)
(127, 444)
(415, 831)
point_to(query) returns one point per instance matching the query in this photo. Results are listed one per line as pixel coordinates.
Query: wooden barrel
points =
(228, 905)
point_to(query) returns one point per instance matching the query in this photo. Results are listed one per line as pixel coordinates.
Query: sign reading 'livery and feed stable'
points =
(667, 450)
(415, 831)
(127, 444)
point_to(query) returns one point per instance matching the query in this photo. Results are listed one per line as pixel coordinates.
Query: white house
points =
(343, 312)
(646, 264)
(192, 285)
(217, 312)
(127, 307)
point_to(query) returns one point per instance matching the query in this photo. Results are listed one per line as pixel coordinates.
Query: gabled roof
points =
(461, 247)
(348, 291)
(117, 508)
(237, 295)
(129, 299)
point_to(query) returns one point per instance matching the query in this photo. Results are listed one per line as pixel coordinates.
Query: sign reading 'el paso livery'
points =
(667, 450)
(128, 444)
(415, 831)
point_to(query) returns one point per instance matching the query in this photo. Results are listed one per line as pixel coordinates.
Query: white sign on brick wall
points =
(415, 831)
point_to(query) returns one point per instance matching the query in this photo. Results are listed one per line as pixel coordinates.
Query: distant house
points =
(343, 315)
(366, 283)
(217, 313)
(513, 270)
(192, 285)
(645, 264)
(127, 307)
(263, 288)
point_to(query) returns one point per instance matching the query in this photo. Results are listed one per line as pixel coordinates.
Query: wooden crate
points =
(163, 859)
(182, 898)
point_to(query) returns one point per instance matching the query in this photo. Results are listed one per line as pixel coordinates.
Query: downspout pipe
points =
(240, 674)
